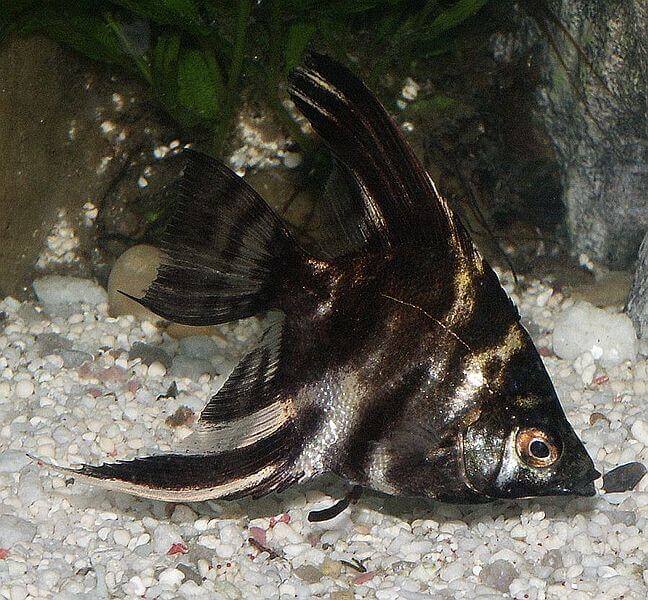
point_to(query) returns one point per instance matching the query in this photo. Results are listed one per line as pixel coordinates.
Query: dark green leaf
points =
(178, 13)
(438, 103)
(451, 17)
(165, 70)
(89, 32)
(187, 81)
(11, 8)
(299, 35)
(200, 85)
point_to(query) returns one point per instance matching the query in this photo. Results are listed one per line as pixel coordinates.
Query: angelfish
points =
(400, 365)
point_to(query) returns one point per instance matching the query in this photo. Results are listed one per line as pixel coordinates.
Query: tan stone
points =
(331, 568)
(177, 330)
(132, 273)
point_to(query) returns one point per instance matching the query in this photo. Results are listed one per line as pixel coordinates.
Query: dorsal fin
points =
(401, 204)
(342, 215)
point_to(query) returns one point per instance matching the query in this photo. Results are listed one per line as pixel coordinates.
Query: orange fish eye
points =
(536, 448)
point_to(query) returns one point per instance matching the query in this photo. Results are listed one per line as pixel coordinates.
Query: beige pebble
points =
(121, 537)
(331, 568)
(107, 445)
(156, 370)
(132, 273)
(178, 331)
(24, 389)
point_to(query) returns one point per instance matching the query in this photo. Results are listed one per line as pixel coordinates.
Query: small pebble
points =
(171, 578)
(156, 370)
(640, 431)
(190, 368)
(24, 389)
(499, 575)
(198, 346)
(624, 478)
(14, 530)
(149, 354)
(309, 573)
(56, 291)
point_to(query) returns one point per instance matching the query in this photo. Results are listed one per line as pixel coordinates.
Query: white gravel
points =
(64, 540)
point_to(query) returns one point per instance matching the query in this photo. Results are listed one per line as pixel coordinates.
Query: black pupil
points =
(539, 449)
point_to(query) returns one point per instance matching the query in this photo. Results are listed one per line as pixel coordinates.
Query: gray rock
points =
(73, 359)
(308, 573)
(30, 487)
(51, 343)
(638, 300)
(627, 517)
(14, 529)
(190, 574)
(499, 574)
(55, 291)
(595, 117)
(198, 346)
(148, 354)
(624, 478)
(192, 368)
(11, 461)
(30, 315)
(552, 559)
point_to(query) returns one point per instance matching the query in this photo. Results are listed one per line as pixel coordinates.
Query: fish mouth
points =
(584, 487)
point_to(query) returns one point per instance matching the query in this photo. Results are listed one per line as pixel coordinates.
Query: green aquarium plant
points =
(200, 57)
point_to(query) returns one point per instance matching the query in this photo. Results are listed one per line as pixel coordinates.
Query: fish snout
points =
(584, 486)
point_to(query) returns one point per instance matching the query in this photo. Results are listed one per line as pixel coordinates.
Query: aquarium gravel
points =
(79, 386)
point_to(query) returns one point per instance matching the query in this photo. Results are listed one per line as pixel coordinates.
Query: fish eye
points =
(536, 448)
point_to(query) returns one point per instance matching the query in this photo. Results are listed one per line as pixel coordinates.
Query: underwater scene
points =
(336, 299)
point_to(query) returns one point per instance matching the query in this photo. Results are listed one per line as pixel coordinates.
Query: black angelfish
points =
(400, 366)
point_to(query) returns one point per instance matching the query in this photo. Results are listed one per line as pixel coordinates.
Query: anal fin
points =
(247, 440)
(254, 470)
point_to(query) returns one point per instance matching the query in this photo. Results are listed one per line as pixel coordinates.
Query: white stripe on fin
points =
(234, 486)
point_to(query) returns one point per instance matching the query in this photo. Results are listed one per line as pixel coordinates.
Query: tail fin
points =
(229, 255)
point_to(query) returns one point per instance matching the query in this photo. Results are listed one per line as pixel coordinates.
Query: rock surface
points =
(595, 116)
(606, 336)
(50, 155)
(638, 301)
(54, 291)
(75, 135)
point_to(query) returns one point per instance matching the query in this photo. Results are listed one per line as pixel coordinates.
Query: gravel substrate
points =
(76, 386)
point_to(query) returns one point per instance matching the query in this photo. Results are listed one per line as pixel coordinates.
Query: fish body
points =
(400, 365)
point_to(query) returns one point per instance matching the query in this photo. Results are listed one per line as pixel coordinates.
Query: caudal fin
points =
(229, 256)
